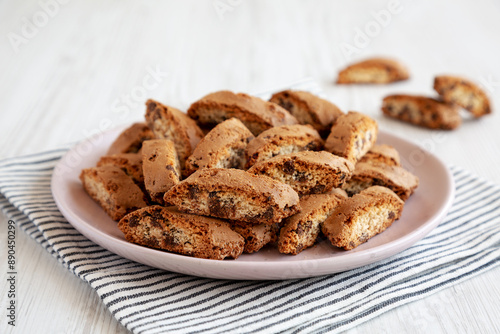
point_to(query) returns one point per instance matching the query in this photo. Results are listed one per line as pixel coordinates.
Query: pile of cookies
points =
(237, 173)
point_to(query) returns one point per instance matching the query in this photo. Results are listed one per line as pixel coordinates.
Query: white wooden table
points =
(72, 68)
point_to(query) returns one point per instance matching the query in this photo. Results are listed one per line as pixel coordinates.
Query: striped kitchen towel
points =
(150, 300)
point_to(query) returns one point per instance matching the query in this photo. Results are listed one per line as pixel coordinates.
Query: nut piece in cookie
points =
(281, 140)
(373, 71)
(396, 178)
(130, 140)
(235, 195)
(463, 92)
(168, 229)
(256, 235)
(382, 153)
(306, 172)
(170, 123)
(301, 230)
(361, 217)
(114, 190)
(257, 115)
(223, 147)
(352, 135)
(161, 167)
(308, 109)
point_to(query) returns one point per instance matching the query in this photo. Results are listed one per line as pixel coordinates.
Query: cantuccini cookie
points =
(306, 172)
(382, 153)
(281, 140)
(422, 111)
(361, 217)
(257, 115)
(308, 109)
(373, 71)
(223, 147)
(183, 233)
(351, 136)
(113, 190)
(396, 178)
(130, 140)
(170, 123)
(161, 167)
(256, 235)
(234, 194)
(301, 230)
(463, 92)
(130, 163)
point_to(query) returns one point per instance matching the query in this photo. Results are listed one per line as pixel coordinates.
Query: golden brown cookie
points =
(382, 154)
(130, 163)
(256, 235)
(373, 71)
(130, 140)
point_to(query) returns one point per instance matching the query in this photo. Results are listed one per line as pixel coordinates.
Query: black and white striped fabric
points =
(149, 300)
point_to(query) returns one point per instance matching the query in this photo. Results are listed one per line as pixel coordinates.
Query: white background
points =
(70, 69)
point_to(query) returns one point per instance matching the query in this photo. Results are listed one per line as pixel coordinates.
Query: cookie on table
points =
(396, 178)
(422, 111)
(183, 233)
(235, 195)
(223, 147)
(113, 190)
(373, 71)
(463, 92)
(301, 230)
(281, 140)
(130, 163)
(257, 115)
(160, 166)
(256, 235)
(130, 140)
(361, 217)
(308, 109)
(352, 136)
(382, 153)
(170, 123)
(306, 172)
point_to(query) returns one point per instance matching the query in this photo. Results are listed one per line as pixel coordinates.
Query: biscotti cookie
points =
(422, 111)
(130, 140)
(161, 167)
(396, 178)
(301, 230)
(234, 194)
(382, 154)
(463, 92)
(257, 115)
(375, 70)
(114, 190)
(306, 172)
(130, 163)
(308, 109)
(256, 235)
(183, 233)
(281, 140)
(361, 217)
(351, 136)
(170, 123)
(223, 147)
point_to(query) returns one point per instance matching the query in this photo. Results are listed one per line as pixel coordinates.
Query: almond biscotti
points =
(301, 230)
(161, 167)
(257, 115)
(281, 140)
(396, 178)
(130, 163)
(223, 147)
(256, 235)
(183, 233)
(306, 172)
(170, 123)
(361, 217)
(373, 71)
(422, 111)
(352, 135)
(130, 140)
(113, 190)
(308, 109)
(463, 92)
(382, 154)
(234, 194)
